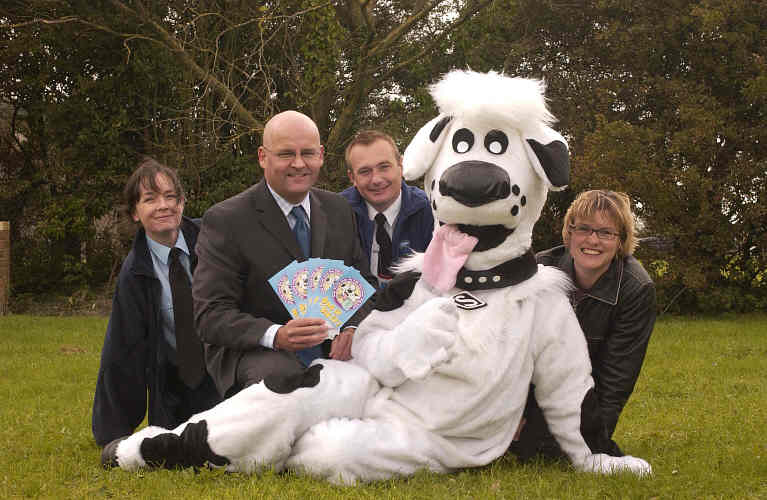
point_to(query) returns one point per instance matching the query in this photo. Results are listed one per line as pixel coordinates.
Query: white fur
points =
(491, 98)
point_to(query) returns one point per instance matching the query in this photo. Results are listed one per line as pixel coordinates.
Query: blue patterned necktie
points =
(301, 230)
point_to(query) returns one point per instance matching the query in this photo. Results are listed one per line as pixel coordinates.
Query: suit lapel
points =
(319, 224)
(273, 221)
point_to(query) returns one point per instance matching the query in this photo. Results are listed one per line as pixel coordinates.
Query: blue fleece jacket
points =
(412, 229)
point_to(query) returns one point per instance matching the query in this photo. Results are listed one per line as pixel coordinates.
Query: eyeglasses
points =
(307, 155)
(585, 231)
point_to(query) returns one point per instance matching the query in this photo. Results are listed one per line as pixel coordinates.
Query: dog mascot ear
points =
(423, 149)
(548, 154)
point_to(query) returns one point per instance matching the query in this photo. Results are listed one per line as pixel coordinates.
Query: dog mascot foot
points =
(605, 464)
(109, 453)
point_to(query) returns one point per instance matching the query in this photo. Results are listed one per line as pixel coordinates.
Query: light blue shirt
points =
(160, 254)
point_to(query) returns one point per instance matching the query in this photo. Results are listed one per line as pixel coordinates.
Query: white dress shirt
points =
(391, 215)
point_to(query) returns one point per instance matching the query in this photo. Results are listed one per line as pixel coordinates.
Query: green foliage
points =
(696, 415)
(663, 100)
(66, 167)
(231, 174)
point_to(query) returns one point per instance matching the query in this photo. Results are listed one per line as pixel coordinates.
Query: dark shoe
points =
(109, 453)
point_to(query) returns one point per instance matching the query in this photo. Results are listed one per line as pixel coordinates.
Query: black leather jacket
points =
(617, 316)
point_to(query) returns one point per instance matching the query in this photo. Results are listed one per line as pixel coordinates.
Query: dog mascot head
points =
(489, 159)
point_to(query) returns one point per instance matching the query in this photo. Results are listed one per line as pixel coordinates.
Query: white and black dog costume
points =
(439, 377)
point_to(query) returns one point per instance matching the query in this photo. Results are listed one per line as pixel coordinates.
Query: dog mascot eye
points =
(496, 142)
(463, 140)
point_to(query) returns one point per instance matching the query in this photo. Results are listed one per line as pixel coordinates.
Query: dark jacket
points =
(617, 316)
(412, 230)
(135, 355)
(243, 242)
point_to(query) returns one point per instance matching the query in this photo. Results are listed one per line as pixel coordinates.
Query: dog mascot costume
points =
(441, 369)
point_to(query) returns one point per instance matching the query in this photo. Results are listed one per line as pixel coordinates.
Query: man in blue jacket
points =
(393, 219)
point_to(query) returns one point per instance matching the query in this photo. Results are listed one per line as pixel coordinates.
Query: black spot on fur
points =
(284, 384)
(523, 201)
(514, 210)
(515, 190)
(434, 204)
(190, 449)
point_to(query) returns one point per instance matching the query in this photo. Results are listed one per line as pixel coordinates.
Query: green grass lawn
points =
(698, 415)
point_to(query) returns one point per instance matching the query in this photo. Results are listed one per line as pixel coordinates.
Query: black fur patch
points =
(190, 449)
(285, 384)
(397, 291)
(438, 128)
(554, 160)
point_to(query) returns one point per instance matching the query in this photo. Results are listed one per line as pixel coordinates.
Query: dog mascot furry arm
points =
(442, 368)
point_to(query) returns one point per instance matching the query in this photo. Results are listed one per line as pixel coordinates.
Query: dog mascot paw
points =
(441, 369)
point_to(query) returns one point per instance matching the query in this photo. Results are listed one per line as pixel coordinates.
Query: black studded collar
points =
(509, 273)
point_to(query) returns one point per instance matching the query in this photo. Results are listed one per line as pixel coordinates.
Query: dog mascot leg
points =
(257, 427)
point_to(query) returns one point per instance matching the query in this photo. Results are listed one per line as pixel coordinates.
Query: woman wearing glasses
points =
(614, 300)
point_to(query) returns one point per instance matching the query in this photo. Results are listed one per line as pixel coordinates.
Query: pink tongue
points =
(445, 255)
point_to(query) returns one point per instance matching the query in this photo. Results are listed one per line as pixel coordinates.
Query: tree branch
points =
(218, 87)
(402, 29)
(435, 42)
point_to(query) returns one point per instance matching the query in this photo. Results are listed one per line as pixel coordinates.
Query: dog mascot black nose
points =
(474, 183)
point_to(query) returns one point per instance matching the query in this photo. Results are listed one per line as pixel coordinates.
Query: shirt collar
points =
(390, 213)
(162, 252)
(287, 206)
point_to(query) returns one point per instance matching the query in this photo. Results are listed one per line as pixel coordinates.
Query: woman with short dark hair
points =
(150, 350)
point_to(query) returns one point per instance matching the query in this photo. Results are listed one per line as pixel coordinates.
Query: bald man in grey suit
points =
(248, 238)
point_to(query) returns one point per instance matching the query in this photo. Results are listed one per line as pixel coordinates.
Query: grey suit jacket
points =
(243, 242)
